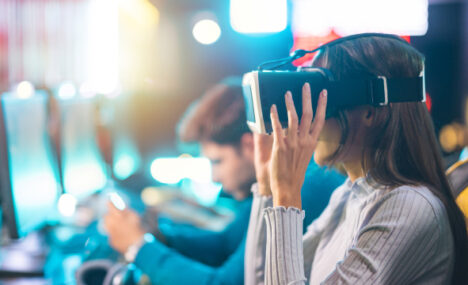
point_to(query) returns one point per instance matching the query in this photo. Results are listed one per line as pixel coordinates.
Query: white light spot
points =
(25, 90)
(206, 31)
(67, 205)
(66, 90)
(117, 201)
(258, 16)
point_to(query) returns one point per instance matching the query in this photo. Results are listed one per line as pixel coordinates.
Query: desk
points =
(71, 243)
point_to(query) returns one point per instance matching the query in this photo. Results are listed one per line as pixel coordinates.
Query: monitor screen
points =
(29, 172)
(83, 166)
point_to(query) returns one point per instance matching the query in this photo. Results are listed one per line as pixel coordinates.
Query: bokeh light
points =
(66, 91)
(24, 90)
(206, 31)
(67, 205)
(258, 16)
(453, 137)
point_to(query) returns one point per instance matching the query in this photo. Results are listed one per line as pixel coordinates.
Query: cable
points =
(301, 52)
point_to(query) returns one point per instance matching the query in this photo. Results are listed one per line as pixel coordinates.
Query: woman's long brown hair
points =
(401, 148)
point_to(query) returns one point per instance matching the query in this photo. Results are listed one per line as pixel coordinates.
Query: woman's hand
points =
(293, 149)
(262, 149)
(123, 227)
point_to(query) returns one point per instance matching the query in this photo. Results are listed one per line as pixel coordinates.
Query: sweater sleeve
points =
(284, 248)
(266, 221)
(400, 239)
(289, 254)
(256, 240)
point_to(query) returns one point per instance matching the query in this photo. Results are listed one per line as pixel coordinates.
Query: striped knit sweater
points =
(368, 234)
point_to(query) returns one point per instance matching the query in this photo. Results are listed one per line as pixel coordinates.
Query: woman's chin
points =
(319, 160)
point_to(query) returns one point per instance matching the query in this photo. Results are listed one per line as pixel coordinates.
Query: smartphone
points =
(117, 201)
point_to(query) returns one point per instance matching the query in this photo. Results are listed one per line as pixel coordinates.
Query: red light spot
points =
(407, 38)
(428, 102)
(310, 43)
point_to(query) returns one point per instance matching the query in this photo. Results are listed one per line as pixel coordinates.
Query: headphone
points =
(301, 52)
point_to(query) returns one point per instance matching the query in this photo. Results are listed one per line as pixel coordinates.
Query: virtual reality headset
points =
(263, 88)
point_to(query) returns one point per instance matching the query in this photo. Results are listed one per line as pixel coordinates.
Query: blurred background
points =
(106, 81)
(143, 56)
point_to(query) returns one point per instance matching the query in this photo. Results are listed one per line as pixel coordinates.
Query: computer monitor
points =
(28, 169)
(84, 170)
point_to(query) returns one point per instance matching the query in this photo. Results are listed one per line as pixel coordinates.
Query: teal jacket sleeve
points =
(164, 265)
(209, 247)
(319, 183)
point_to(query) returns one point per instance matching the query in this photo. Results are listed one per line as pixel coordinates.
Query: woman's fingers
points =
(307, 111)
(307, 126)
(319, 119)
(276, 126)
(292, 117)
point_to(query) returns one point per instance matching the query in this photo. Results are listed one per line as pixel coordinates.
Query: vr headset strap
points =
(398, 90)
(378, 91)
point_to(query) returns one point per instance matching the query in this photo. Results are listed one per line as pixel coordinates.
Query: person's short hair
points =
(218, 116)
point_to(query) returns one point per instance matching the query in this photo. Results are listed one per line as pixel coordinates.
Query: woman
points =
(394, 221)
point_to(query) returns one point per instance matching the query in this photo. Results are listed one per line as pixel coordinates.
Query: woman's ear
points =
(368, 115)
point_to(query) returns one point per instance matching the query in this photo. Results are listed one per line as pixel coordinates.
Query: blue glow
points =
(464, 154)
(193, 172)
(126, 158)
(83, 175)
(33, 171)
(82, 164)
(206, 193)
(124, 166)
(258, 16)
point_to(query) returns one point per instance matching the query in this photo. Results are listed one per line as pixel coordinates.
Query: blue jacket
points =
(196, 256)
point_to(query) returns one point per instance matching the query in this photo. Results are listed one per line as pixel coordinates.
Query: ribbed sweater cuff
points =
(284, 255)
(254, 264)
(261, 200)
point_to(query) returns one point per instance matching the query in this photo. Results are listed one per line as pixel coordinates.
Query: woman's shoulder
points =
(414, 205)
(421, 195)
(417, 211)
(341, 192)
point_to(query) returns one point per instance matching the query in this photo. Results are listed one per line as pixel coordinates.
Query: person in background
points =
(458, 177)
(191, 255)
(458, 174)
(464, 153)
(394, 221)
